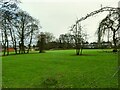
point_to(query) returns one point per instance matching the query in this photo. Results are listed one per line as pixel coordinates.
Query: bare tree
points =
(79, 38)
(27, 26)
(33, 31)
(109, 23)
(116, 10)
(17, 25)
(8, 9)
(66, 41)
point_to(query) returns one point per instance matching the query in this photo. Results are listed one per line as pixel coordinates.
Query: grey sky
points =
(57, 16)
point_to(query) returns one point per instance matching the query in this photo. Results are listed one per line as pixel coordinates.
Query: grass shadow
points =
(83, 55)
(21, 54)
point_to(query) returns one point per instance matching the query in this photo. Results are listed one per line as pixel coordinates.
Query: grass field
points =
(60, 69)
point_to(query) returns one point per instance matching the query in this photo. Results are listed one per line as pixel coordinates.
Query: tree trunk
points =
(22, 38)
(77, 49)
(29, 46)
(4, 45)
(6, 41)
(81, 51)
(15, 46)
(20, 47)
(114, 41)
(7, 47)
(13, 41)
(4, 48)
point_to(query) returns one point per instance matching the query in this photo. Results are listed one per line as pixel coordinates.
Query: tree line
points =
(18, 27)
(109, 26)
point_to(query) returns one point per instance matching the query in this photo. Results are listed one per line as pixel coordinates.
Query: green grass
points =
(60, 69)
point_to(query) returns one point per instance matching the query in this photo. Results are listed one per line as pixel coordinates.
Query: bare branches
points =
(98, 11)
(17, 25)
(110, 23)
(106, 23)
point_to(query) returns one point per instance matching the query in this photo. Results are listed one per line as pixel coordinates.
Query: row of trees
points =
(18, 28)
(46, 41)
(110, 24)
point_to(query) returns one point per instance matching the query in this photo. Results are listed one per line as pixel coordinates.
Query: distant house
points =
(93, 45)
(118, 43)
(11, 49)
(86, 45)
(106, 44)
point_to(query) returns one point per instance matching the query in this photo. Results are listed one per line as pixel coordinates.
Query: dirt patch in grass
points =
(50, 81)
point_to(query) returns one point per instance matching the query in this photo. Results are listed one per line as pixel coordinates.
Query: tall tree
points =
(110, 23)
(33, 31)
(7, 9)
(66, 41)
(49, 37)
(17, 26)
(26, 26)
(79, 37)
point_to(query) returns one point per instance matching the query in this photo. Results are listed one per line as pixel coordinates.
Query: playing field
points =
(60, 69)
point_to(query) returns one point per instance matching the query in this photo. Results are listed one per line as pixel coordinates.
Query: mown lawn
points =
(60, 69)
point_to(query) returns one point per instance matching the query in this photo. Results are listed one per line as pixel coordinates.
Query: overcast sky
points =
(57, 16)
